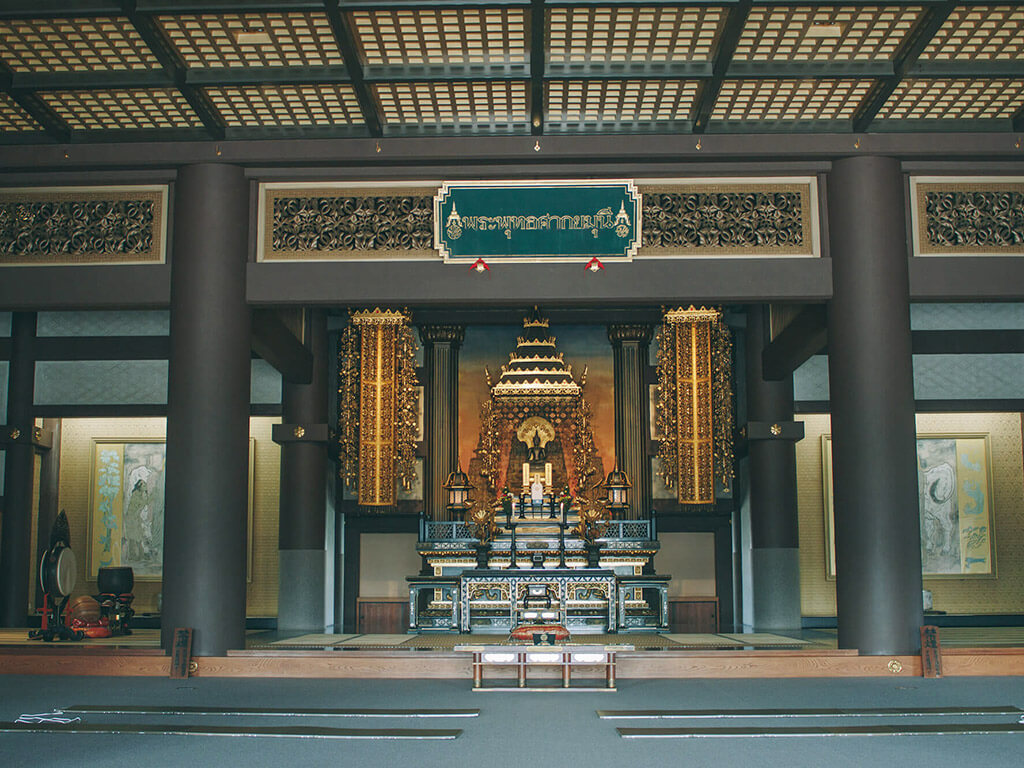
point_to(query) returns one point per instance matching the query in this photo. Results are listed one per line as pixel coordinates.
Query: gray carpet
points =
(563, 728)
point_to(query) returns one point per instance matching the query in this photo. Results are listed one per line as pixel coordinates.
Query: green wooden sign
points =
(537, 220)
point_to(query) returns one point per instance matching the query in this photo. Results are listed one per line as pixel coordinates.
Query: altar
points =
(534, 533)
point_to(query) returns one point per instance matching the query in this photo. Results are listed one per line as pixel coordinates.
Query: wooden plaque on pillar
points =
(931, 652)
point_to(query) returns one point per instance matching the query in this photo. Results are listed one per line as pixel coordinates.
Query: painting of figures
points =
(127, 507)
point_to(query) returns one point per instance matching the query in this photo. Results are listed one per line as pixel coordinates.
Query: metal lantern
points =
(458, 488)
(617, 486)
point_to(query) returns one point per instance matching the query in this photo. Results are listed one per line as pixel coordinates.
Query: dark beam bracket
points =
(274, 342)
(803, 338)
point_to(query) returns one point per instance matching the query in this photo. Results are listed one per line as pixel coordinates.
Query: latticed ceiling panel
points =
(954, 100)
(617, 101)
(286, 105)
(979, 33)
(650, 34)
(785, 100)
(845, 33)
(73, 45)
(479, 103)
(253, 40)
(122, 109)
(453, 36)
(13, 118)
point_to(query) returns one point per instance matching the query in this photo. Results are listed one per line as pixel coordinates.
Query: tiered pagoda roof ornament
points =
(535, 369)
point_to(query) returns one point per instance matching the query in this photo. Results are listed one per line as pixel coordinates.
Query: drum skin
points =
(115, 581)
(58, 571)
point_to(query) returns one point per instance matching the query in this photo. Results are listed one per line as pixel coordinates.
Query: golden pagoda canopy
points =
(535, 369)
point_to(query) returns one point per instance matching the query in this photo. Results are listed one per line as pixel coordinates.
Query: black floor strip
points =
(700, 714)
(853, 730)
(101, 709)
(289, 732)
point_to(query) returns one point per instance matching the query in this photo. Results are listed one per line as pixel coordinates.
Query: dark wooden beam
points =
(91, 81)
(42, 9)
(965, 405)
(149, 30)
(538, 58)
(968, 342)
(647, 282)
(346, 39)
(804, 337)
(55, 128)
(103, 348)
(92, 287)
(274, 342)
(913, 46)
(466, 157)
(731, 31)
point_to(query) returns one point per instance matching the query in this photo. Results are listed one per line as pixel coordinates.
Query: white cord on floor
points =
(48, 717)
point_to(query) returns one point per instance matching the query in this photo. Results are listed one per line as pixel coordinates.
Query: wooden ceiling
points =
(95, 71)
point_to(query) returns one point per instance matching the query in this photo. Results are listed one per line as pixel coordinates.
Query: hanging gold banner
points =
(379, 333)
(694, 389)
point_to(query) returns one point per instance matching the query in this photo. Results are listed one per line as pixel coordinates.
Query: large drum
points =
(58, 571)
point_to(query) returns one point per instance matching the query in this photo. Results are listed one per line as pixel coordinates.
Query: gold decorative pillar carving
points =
(694, 410)
(386, 405)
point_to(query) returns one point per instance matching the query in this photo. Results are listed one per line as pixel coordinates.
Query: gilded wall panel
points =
(83, 225)
(967, 216)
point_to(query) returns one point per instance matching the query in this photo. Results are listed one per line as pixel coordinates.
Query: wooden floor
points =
(995, 651)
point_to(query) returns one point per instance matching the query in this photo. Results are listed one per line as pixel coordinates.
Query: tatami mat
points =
(703, 641)
(762, 639)
(312, 641)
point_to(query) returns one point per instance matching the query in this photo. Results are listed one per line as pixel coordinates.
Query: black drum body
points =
(58, 571)
(115, 581)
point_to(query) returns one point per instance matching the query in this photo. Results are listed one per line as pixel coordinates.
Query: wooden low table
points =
(524, 656)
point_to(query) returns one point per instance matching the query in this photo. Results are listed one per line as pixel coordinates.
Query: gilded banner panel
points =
(83, 225)
(693, 412)
(387, 406)
(693, 404)
(377, 409)
(967, 216)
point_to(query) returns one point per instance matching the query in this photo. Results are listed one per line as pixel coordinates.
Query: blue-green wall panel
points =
(265, 384)
(5, 323)
(968, 317)
(123, 323)
(936, 377)
(101, 382)
(5, 369)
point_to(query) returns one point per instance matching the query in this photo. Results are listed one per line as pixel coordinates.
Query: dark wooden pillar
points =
(630, 346)
(19, 463)
(874, 473)
(208, 411)
(49, 488)
(441, 415)
(303, 500)
(771, 436)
